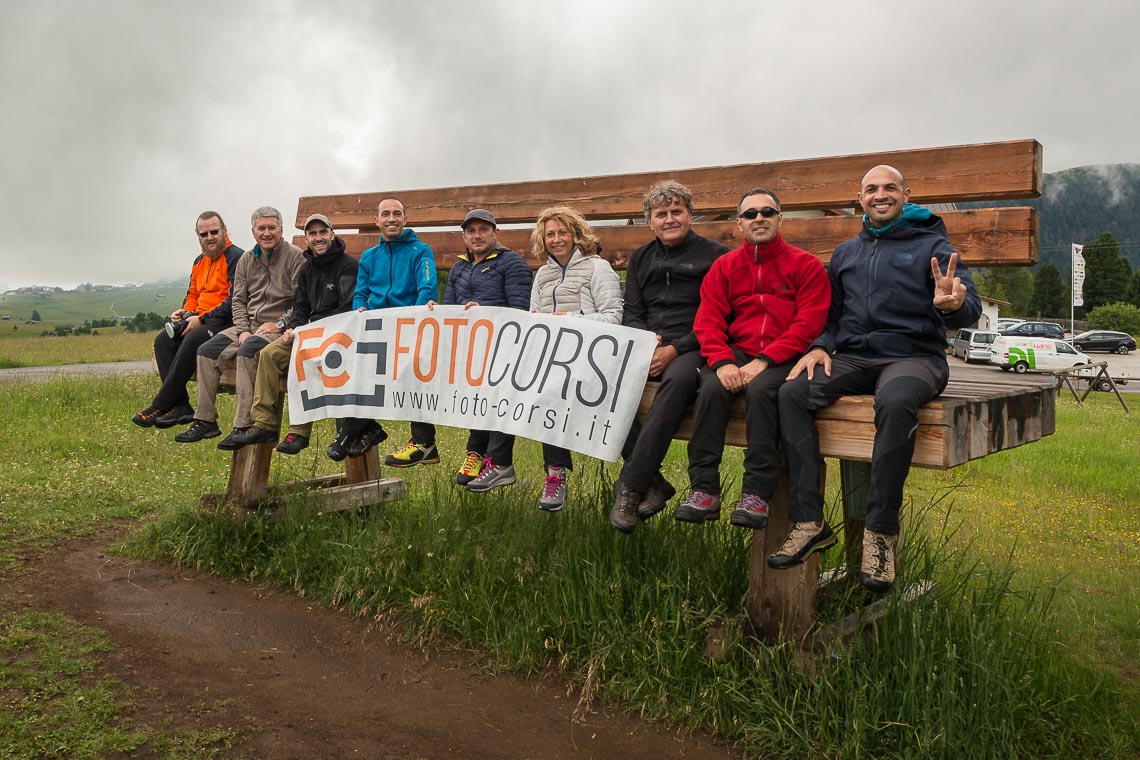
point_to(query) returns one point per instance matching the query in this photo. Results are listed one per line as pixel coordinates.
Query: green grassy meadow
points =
(1031, 648)
(72, 307)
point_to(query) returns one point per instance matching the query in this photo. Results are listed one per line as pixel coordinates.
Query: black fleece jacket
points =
(325, 285)
(663, 288)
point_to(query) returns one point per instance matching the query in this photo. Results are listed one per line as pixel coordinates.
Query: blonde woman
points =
(572, 281)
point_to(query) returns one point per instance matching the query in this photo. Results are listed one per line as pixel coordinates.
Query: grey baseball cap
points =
(317, 218)
(481, 214)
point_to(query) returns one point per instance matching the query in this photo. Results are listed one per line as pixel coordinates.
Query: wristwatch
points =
(281, 324)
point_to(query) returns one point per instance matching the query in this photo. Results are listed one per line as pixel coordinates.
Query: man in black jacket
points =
(325, 286)
(891, 305)
(662, 292)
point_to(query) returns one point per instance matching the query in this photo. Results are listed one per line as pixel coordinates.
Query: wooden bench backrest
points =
(1005, 236)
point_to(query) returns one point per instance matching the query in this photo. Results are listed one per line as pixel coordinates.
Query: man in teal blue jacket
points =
(397, 271)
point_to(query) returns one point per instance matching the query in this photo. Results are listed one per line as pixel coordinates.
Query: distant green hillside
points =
(1077, 205)
(70, 307)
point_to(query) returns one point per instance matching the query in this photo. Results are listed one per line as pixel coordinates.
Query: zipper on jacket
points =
(872, 265)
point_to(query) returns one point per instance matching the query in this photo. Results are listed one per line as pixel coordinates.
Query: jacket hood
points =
(336, 250)
(914, 217)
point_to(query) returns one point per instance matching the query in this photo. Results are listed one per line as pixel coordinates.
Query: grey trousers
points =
(212, 356)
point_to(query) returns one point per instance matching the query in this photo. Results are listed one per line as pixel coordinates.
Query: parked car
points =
(1004, 323)
(973, 345)
(1105, 340)
(1029, 329)
(1035, 354)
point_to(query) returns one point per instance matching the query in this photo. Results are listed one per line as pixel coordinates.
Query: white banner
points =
(575, 383)
(1078, 275)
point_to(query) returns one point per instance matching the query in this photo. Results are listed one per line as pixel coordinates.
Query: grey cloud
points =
(126, 118)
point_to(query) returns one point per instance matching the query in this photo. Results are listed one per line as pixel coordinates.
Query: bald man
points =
(895, 290)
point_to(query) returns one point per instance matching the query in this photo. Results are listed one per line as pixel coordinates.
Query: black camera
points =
(175, 327)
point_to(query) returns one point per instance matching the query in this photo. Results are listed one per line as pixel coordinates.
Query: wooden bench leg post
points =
(249, 475)
(362, 469)
(780, 603)
(854, 483)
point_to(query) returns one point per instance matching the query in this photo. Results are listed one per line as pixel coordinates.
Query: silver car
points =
(973, 345)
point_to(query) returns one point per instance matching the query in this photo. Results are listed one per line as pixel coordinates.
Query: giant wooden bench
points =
(980, 413)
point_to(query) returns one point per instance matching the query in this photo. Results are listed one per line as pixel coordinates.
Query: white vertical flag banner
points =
(1078, 275)
(563, 380)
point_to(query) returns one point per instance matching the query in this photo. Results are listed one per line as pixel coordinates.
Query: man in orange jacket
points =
(204, 313)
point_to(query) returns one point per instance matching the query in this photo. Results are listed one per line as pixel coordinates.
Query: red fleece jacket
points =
(769, 301)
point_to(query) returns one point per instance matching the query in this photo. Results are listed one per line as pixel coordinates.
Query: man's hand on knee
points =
(808, 362)
(730, 377)
(752, 370)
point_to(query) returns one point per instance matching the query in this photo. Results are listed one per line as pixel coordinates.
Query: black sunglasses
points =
(767, 212)
(209, 233)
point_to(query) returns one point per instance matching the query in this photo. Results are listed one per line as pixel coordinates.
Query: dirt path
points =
(312, 682)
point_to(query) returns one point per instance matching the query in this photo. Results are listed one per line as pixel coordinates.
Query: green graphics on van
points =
(1026, 355)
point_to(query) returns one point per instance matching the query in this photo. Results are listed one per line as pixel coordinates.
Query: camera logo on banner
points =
(330, 353)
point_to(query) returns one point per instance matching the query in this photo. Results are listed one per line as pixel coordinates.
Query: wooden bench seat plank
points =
(983, 411)
(986, 171)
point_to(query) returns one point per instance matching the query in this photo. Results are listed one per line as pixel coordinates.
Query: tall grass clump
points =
(972, 670)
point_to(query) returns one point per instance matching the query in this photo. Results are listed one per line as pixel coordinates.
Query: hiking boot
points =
(804, 538)
(623, 516)
(658, 494)
(492, 477)
(233, 441)
(470, 469)
(183, 414)
(146, 417)
(373, 435)
(413, 453)
(698, 508)
(198, 430)
(751, 512)
(252, 435)
(554, 492)
(878, 570)
(294, 443)
(338, 448)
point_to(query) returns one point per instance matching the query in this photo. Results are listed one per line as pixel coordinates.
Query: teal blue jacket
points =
(396, 273)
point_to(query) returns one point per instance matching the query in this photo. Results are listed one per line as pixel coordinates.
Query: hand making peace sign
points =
(949, 292)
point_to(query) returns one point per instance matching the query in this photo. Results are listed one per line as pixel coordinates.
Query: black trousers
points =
(762, 432)
(498, 447)
(423, 433)
(648, 442)
(900, 386)
(177, 360)
(556, 456)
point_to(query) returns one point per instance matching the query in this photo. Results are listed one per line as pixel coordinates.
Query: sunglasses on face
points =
(767, 212)
(209, 233)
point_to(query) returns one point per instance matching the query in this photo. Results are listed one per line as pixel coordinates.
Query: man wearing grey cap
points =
(488, 274)
(325, 286)
(264, 281)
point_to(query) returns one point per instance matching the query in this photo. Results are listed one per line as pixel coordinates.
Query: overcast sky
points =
(123, 119)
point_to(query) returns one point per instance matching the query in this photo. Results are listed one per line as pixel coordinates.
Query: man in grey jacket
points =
(264, 281)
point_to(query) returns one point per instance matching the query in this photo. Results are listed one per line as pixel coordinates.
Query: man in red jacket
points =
(762, 305)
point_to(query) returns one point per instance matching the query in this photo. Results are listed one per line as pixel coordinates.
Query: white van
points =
(1035, 354)
(973, 345)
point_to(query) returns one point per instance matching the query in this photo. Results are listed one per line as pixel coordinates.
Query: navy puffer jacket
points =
(502, 278)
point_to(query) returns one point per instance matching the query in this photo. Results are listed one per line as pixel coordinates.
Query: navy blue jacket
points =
(882, 291)
(502, 278)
